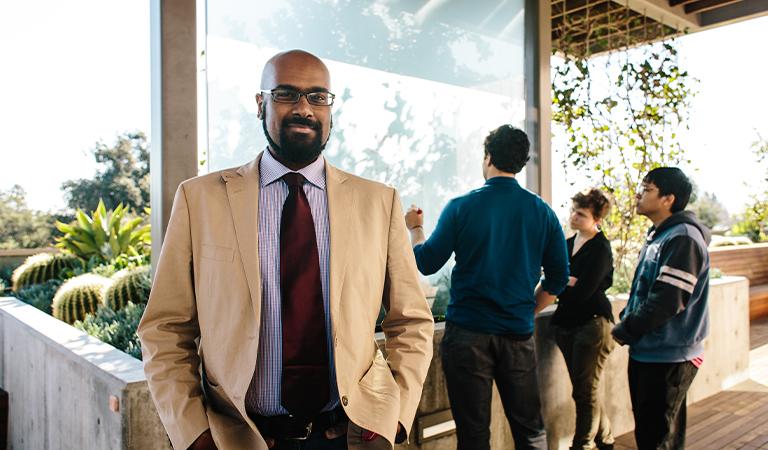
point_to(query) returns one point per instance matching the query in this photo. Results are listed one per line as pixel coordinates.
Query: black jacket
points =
(593, 266)
(666, 318)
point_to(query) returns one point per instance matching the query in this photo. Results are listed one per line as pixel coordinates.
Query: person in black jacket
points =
(583, 319)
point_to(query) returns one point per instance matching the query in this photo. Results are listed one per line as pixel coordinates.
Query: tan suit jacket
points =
(203, 314)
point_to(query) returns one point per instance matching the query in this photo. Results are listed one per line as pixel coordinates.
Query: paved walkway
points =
(736, 418)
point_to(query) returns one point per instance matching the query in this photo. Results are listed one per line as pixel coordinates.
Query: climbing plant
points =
(620, 116)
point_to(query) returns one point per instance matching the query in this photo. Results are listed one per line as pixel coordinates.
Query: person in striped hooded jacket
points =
(666, 319)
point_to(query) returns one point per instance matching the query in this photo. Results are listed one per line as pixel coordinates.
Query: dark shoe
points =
(605, 447)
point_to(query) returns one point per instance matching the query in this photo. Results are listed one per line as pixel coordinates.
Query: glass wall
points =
(419, 84)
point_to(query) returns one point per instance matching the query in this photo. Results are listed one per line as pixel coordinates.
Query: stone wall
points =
(68, 390)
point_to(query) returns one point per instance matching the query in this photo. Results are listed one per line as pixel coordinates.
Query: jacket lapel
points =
(243, 194)
(341, 203)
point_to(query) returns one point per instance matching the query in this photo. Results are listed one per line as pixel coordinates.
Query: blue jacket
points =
(666, 317)
(502, 235)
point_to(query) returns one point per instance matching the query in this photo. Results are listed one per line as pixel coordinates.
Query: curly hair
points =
(508, 148)
(597, 201)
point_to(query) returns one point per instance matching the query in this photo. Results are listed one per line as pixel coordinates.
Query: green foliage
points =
(709, 210)
(619, 132)
(102, 237)
(442, 296)
(116, 328)
(753, 222)
(20, 226)
(124, 179)
(40, 295)
(43, 267)
(128, 286)
(79, 296)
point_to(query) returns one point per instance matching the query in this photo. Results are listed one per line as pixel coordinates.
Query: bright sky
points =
(78, 72)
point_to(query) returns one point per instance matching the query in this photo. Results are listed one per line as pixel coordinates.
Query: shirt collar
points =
(502, 180)
(271, 170)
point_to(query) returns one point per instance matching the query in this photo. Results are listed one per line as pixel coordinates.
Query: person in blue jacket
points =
(502, 236)
(666, 317)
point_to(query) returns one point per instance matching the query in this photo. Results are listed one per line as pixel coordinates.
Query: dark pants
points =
(316, 441)
(472, 362)
(658, 392)
(585, 349)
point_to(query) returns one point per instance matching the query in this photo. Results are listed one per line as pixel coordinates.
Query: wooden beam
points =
(673, 3)
(707, 5)
(734, 13)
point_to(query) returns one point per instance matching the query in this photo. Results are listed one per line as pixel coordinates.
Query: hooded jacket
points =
(666, 317)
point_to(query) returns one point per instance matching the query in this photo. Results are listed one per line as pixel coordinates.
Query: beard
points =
(297, 151)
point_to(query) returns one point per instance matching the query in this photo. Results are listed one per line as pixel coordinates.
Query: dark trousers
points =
(658, 392)
(472, 362)
(316, 441)
(585, 349)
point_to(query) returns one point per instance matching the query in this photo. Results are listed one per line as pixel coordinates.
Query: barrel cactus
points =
(128, 285)
(79, 296)
(42, 267)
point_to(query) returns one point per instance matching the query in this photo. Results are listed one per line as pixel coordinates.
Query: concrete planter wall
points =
(69, 390)
(64, 385)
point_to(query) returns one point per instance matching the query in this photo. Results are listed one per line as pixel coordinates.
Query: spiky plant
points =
(42, 267)
(103, 236)
(79, 296)
(128, 285)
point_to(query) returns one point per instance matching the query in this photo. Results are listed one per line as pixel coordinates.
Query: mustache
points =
(314, 124)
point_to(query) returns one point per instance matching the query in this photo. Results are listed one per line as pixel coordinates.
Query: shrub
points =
(40, 295)
(128, 285)
(116, 328)
(42, 267)
(81, 295)
(103, 237)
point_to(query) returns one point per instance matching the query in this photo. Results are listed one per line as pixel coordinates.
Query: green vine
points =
(621, 115)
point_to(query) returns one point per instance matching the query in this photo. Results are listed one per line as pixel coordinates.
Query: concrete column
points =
(173, 146)
(538, 117)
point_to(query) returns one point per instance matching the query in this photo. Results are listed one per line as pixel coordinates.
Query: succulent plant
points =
(102, 236)
(79, 296)
(128, 285)
(42, 267)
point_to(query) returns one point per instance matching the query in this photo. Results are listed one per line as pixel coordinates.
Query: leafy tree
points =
(621, 127)
(21, 226)
(709, 210)
(753, 222)
(123, 178)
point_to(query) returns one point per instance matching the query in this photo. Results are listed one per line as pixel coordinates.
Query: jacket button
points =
(344, 400)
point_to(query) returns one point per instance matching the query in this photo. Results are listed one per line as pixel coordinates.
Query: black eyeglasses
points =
(283, 95)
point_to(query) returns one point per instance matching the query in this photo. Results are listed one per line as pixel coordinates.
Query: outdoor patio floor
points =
(733, 419)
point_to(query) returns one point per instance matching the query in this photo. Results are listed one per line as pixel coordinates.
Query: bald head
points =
(294, 64)
(296, 131)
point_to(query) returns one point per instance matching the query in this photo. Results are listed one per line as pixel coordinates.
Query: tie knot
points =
(293, 179)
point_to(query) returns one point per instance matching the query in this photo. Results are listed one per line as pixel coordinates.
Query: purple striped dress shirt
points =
(272, 195)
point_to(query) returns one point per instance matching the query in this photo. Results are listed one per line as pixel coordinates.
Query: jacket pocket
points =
(379, 379)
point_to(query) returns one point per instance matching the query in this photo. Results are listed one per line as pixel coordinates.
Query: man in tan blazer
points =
(216, 338)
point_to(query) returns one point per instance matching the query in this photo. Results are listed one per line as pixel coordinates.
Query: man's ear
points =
(260, 106)
(669, 200)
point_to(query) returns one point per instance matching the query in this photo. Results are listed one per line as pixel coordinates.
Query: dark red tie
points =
(305, 389)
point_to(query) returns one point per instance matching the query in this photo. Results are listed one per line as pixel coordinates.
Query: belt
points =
(292, 427)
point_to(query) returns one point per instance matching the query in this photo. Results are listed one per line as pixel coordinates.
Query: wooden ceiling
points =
(591, 27)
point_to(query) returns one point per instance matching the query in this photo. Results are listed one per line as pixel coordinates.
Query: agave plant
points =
(104, 235)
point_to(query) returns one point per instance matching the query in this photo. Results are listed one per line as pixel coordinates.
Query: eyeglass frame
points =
(306, 95)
